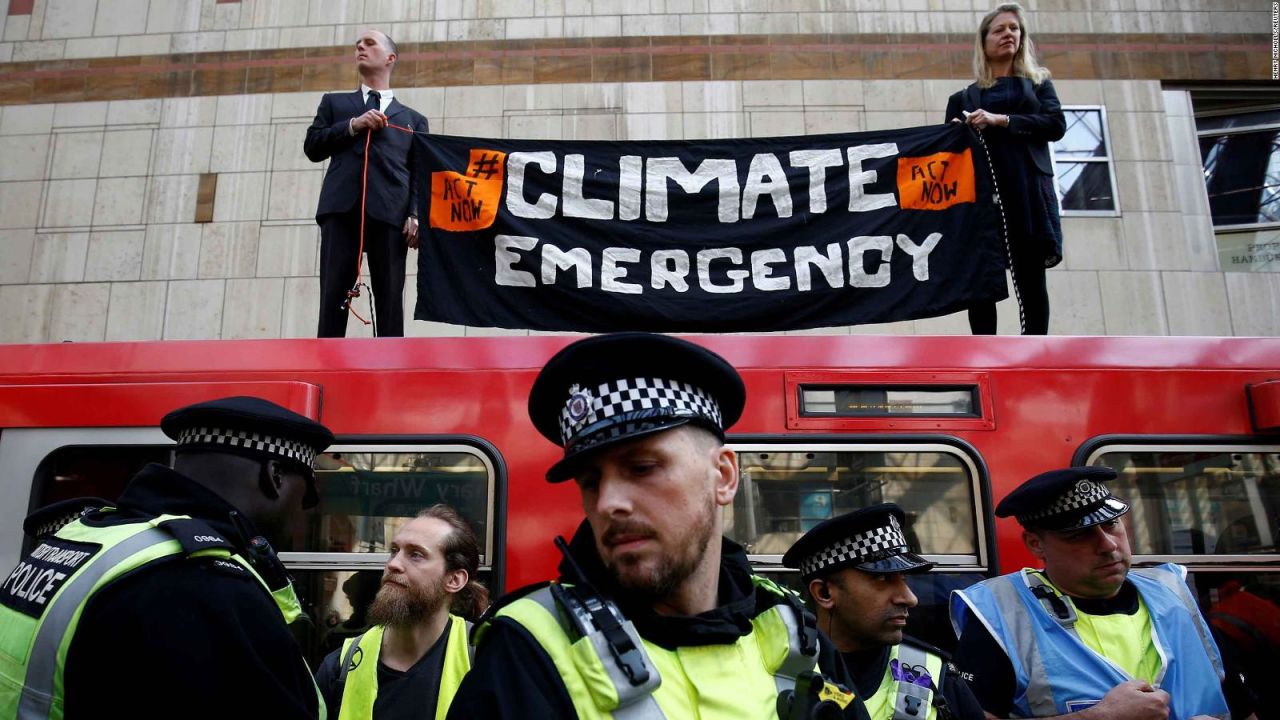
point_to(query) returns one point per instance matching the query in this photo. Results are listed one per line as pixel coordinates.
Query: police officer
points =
(655, 614)
(170, 602)
(1086, 634)
(855, 568)
(417, 652)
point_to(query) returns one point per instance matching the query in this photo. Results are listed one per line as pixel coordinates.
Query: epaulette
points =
(195, 535)
(504, 601)
(52, 518)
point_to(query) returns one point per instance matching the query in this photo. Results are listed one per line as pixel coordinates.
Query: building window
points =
(1238, 130)
(1082, 163)
(1241, 156)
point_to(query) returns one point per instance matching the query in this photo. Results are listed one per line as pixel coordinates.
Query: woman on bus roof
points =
(1013, 105)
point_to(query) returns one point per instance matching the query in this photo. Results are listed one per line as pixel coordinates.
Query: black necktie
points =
(374, 102)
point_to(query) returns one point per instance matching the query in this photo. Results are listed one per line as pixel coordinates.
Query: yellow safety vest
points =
(712, 682)
(359, 673)
(894, 699)
(55, 582)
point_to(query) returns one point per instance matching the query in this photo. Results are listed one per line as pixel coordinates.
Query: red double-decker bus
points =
(944, 426)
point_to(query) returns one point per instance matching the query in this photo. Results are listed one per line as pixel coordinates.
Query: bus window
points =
(336, 554)
(1214, 509)
(785, 490)
(91, 471)
(1199, 501)
(366, 494)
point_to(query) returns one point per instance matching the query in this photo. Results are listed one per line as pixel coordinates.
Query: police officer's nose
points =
(903, 595)
(1105, 542)
(613, 496)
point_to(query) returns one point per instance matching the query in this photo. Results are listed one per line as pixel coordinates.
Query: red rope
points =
(354, 292)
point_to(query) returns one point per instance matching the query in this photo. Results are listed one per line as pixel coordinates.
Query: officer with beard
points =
(416, 654)
(655, 613)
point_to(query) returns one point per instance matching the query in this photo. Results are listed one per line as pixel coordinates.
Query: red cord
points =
(354, 292)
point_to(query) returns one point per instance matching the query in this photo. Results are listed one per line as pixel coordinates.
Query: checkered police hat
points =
(608, 388)
(252, 427)
(870, 539)
(1066, 499)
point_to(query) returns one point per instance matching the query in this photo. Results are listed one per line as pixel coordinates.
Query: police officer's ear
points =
(821, 591)
(271, 478)
(1034, 540)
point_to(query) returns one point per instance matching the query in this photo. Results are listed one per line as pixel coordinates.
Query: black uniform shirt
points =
(189, 638)
(868, 667)
(513, 677)
(408, 695)
(990, 672)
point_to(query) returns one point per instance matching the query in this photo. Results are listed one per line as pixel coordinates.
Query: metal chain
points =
(1004, 226)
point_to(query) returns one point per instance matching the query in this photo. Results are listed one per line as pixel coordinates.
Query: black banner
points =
(711, 235)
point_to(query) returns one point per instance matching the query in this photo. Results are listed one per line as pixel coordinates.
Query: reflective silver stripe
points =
(796, 661)
(912, 657)
(42, 665)
(1179, 588)
(634, 703)
(1020, 624)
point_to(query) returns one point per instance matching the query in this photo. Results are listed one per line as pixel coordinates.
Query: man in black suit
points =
(338, 134)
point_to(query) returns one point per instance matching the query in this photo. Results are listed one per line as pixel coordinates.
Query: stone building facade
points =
(153, 186)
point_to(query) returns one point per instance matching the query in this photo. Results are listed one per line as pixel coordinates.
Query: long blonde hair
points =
(1024, 60)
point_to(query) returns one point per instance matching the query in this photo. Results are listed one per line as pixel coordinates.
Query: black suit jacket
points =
(1038, 122)
(394, 161)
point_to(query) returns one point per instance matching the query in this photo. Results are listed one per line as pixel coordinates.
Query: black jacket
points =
(395, 161)
(1038, 122)
(513, 677)
(190, 638)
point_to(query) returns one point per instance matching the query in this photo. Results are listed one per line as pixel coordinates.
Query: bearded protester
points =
(416, 653)
(656, 614)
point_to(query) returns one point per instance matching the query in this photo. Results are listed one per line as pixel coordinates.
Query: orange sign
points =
(936, 182)
(468, 201)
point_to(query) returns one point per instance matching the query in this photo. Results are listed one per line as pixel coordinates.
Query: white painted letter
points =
(858, 276)
(516, 204)
(762, 276)
(859, 200)
(630, 168)
(766, 165)
(575, 205)
(611, 274)
(576, 259)
(659, 170)
(505, 258)
(669, 267)
(735, 276)
(831, 265)
(919, 253)
(817, 161)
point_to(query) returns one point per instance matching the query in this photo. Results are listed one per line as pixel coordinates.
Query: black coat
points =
(186, 637)
(395, 161)
(1038, 122)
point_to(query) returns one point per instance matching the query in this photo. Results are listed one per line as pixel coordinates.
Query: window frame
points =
(375, 560)
(1109, 159)
(23, 452)
(985, 560)
(1090, 452)
(1242, 130)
